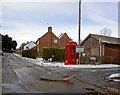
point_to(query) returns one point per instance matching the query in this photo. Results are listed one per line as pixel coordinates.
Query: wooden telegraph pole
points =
(79, 32)
(79, 28)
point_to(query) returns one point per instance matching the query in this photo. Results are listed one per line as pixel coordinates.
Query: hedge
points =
(56, 53)
(31, 53)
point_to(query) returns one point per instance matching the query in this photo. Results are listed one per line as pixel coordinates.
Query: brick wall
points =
(48, 40)
(63, 40)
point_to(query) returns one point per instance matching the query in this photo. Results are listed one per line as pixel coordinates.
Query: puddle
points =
(12, 87)
(89, 89)
(93, 93)
(29, 66)
(52, 80)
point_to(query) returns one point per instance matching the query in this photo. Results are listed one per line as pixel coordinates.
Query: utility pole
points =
(79, 28)
(79, 22)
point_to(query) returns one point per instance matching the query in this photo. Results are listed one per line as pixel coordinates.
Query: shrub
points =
(56, 53)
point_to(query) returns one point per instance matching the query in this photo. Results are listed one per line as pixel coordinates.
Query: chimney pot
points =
(49, 29)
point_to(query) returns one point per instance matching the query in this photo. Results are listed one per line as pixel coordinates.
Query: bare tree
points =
(105, 31)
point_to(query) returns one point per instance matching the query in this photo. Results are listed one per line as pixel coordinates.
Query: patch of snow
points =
(39, 61)
(111, 42)
(115, 77)
(17, 55)
(78, 66)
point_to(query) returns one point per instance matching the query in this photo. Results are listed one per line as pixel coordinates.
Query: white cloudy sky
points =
(26, 20)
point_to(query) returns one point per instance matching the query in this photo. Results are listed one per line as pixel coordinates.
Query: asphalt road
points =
(22, 76)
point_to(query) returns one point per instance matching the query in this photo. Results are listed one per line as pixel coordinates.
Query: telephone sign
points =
(79, 49)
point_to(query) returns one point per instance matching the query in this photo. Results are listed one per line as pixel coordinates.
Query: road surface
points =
(22, 76)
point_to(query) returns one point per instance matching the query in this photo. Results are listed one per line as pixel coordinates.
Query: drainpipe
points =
(100, 51)
(103, 51)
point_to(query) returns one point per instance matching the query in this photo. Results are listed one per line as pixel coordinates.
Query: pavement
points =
(24, 77)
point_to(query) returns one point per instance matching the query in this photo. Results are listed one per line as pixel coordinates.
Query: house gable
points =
(104, 48)
(102, 39)
(49, 40)
(63, 38)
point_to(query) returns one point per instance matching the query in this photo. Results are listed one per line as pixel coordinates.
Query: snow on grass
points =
(41, 62)
(80, 65)
(61, 64)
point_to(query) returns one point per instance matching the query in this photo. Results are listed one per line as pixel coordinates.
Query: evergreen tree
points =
(8, 44)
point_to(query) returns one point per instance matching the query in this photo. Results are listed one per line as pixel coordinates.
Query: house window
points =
(55, 41)
(27, 47)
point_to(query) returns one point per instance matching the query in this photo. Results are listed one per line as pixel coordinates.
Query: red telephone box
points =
(70, 55)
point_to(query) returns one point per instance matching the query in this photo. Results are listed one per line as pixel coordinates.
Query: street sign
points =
(79, 49)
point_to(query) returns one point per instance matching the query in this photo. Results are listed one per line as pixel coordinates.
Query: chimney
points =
(49, 29)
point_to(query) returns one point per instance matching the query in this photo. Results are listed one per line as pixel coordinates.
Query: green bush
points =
(58, 54)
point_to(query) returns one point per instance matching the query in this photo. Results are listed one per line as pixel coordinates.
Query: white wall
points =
(29, 46)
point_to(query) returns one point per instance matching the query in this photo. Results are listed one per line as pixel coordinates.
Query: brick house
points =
(50, 40)
(63, 38)
(105, 49)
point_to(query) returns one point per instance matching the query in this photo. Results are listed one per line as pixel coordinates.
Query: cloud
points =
(26, 21)
(25, 32)
(97, 16)
(39, 13)
(96, 11)
(39, 9)
(60, 0)
(96, 30)
(31, 32)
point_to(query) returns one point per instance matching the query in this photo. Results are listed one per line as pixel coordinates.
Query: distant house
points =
(50, 40)
(63, 38)
(29, 50)
(29, 45)
(105, 49)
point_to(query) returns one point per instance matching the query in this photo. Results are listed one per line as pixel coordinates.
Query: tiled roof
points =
(61, 35)
(106, 38)
(103, 39)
